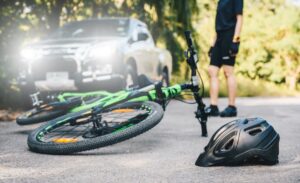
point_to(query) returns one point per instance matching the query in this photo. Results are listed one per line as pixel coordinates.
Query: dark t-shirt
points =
(226, 14)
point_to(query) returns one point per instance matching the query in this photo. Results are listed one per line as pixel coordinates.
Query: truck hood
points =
(70, 47)
(77, 41)
(50, 42)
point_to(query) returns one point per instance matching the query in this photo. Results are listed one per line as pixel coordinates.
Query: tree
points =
(270, 40)
(270, 46)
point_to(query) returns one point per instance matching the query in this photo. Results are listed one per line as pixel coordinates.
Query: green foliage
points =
(270, 44)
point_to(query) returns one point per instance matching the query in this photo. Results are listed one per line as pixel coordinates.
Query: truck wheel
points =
(132, 76)
(165, 77)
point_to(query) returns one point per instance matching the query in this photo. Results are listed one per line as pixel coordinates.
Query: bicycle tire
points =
(154, 116)
(35, 115)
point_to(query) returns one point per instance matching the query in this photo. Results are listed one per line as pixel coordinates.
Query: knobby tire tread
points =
(152, 120)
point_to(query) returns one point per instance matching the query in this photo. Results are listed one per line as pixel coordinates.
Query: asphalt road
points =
(164, 154)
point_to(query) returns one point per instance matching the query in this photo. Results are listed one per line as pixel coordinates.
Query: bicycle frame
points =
(153, 92)
(63, 96)
(147, 93)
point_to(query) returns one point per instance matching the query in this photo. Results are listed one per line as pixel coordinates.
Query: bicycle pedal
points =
(36, 102)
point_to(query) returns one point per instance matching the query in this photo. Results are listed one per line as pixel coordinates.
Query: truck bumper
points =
(63, 85)
(111, 82)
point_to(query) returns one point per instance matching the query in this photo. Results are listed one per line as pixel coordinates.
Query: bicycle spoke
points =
(75, 129)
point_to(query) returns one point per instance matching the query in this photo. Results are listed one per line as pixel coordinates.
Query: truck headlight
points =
(104, 51)
(31, 54)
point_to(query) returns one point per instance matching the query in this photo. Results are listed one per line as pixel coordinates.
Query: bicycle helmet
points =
(243, 141)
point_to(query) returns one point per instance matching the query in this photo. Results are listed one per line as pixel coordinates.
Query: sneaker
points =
(229, 111)
(212, 110)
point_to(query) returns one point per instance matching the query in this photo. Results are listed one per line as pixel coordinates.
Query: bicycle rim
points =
(75, 133)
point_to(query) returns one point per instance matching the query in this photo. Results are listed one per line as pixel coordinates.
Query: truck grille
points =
(40, 68)
(59, 51)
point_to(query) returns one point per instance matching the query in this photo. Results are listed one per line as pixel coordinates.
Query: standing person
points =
(223, 52)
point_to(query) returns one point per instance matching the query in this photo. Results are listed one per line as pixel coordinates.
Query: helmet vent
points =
(229, 145)
(222, 129)
(226, 144)
(255, 131)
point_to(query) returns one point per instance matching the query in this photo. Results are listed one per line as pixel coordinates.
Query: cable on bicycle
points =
(184, 101)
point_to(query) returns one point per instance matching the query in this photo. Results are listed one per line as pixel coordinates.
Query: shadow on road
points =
(126, 147)
(22, 132)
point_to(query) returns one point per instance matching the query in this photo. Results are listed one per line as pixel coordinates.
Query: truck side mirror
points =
(142, 36)
(130, 40)
(133, 38)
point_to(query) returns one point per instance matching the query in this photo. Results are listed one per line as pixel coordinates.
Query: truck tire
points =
(165, 77)
(132, 76)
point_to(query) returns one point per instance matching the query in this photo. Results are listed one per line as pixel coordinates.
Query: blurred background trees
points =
(269, 58)
(270, 51)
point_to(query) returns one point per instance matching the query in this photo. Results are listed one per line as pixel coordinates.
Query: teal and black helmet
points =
(249, 140)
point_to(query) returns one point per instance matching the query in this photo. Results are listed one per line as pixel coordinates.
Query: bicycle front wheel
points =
(86, 130)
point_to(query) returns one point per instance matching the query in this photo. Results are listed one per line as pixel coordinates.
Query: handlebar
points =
(192, 59)
(191, 54)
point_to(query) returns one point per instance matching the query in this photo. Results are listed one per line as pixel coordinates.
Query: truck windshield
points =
(92, 28)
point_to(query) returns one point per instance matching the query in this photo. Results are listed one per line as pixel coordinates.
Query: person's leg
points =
(228, 63)
(231, 83)
(214, 84)
(213, 70)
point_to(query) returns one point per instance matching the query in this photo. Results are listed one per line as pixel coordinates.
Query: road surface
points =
(166, 153)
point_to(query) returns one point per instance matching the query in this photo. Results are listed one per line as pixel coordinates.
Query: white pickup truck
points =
(92, 55)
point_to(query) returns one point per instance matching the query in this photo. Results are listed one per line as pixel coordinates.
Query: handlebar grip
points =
(188, 38)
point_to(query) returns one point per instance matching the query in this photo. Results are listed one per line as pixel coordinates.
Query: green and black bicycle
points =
(117, 116)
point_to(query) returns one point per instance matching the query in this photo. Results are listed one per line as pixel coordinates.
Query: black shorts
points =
(220, 52)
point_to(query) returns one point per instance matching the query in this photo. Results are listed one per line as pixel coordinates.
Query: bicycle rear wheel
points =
(37, 115)
(53, 110)
(76, 132)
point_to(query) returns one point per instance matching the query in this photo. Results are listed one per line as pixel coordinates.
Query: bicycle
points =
(117, 117)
